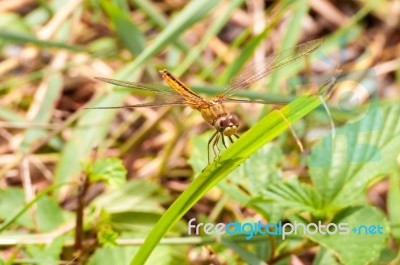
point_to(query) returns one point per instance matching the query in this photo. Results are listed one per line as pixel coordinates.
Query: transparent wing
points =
(158, 103)
(166, 95)
(260, 69)
(156, 88)
(255, 101)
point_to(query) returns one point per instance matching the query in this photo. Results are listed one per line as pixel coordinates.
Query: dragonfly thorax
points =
(228, 124)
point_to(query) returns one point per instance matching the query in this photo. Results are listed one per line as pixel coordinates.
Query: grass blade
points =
(263, 132)
(130, 35)
(24, 38)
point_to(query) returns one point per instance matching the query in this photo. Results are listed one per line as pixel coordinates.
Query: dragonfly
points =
(213, 110)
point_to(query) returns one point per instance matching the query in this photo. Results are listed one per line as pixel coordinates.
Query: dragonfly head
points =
(227, 124)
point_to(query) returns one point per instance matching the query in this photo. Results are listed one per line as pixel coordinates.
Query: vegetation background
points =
(87, 186)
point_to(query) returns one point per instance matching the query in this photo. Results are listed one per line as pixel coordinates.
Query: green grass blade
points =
(212, 31)
(52, 90)
(24, 38)
(261, 133)
(291, 36)
(13, 218)
(160, 21)
(130, 35)
(192, 13)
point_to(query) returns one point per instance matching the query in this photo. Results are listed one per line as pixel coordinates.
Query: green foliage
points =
(163, 255)
(130, 35)
(107, 236)
(45, 44)
(354, 248)
(13, 210)
(12, 199)
(393, 200)
(51, 91)
(47, 254)
(264, 131)
(109, 170)
(361, 152)
(133, 207)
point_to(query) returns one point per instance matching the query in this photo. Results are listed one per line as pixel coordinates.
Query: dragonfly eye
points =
(234, 120)
(226, 122)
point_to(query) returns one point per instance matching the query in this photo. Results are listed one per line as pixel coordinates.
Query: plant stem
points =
(79, 213)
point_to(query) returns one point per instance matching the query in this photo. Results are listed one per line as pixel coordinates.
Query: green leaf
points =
(13, 208)
(12, 199)
(325, 257)
(133, 196)
(248, 257)
(135, 207)
(107, 236)
(361, 152)
(164, 255)
(48, 254)
(393, 204)
(130, 35)
(112, 255)
(354, 248)
(109, 170)
(295, 196)
(49, 214)
(261, 133)
(260, 170)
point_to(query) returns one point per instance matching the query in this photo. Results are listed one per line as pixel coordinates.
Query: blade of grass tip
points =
(215, 27)
(130, 35)
(290, 38)
(261, 133)
(14, 217)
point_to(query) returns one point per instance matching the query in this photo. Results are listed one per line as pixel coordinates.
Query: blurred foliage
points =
(89, 186)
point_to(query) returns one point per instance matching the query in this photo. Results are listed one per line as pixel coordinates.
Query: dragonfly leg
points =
(208, 145)
(296, 137)
(236, 135)
(215, 145)
(230, 138)
(223, 141)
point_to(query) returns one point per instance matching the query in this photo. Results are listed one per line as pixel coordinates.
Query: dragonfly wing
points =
(266, 102)
(166, 96)
(156, 88)
(161, 102)
(260, 69)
